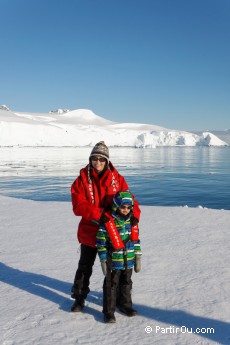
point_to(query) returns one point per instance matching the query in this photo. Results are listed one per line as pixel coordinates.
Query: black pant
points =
(80, 287)
(117, 290)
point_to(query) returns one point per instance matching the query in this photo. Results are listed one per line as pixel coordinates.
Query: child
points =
(119, 251)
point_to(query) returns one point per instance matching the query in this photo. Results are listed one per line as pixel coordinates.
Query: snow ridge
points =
(82, 127)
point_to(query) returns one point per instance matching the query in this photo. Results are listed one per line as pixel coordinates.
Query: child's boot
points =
(128, 311)
(109, 318)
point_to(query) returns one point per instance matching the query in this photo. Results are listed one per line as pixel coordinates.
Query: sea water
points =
(165, 176)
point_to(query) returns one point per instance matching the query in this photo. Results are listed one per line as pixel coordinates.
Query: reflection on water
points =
(173, 176)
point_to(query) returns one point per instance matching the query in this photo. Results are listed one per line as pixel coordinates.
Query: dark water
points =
(172, 176)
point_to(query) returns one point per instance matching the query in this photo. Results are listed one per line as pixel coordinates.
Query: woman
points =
(92, 195)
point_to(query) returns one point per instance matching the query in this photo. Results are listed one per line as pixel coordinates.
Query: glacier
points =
(82, 127)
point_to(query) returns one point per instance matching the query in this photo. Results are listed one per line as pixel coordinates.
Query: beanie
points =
(121, 198)
(100, 149)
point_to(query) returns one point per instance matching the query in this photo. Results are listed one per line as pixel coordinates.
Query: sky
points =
(162, 62)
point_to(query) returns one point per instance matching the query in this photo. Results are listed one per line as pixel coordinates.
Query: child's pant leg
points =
(125, 288)
(110, 285)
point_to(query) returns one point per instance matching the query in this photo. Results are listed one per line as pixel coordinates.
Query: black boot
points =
(109, 318)
(78, 304)
(128, 311)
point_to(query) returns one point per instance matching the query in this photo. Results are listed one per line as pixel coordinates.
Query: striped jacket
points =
(123, 258)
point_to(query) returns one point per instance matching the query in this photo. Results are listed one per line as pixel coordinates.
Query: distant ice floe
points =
(59, 111)
(199, 206)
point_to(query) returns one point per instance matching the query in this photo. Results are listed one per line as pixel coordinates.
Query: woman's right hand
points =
(104, 219)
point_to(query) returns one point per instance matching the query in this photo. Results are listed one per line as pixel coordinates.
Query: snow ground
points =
(184, 282)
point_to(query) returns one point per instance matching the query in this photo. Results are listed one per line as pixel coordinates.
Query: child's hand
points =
(133, 221)
(104, 267)
(137, 265)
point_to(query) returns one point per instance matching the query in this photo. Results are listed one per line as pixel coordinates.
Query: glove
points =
(133, 221)
(137, 265)
(108, 208)
(104, 267)
(104, 219)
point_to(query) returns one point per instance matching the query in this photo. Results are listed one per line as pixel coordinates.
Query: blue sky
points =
(165, 62)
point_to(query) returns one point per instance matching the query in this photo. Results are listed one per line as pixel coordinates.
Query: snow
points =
(82, 127)
(184, 281)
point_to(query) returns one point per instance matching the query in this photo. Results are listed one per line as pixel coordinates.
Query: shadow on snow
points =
(43, 286)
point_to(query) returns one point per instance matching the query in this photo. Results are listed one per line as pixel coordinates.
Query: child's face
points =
(125, 209)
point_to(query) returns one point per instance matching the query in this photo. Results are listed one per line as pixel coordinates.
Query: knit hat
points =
(101, 150)
(121, 198)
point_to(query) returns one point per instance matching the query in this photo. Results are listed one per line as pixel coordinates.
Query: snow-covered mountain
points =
(82, 127)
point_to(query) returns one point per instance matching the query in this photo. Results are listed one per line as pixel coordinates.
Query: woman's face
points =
(98, 163)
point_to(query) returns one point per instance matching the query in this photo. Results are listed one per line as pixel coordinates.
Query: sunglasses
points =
(100, 159)
(123, 207)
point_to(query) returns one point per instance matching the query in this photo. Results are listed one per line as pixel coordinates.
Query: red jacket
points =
(91, 195)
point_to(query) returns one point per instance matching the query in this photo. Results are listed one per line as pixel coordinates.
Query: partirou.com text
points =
(182, 329)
